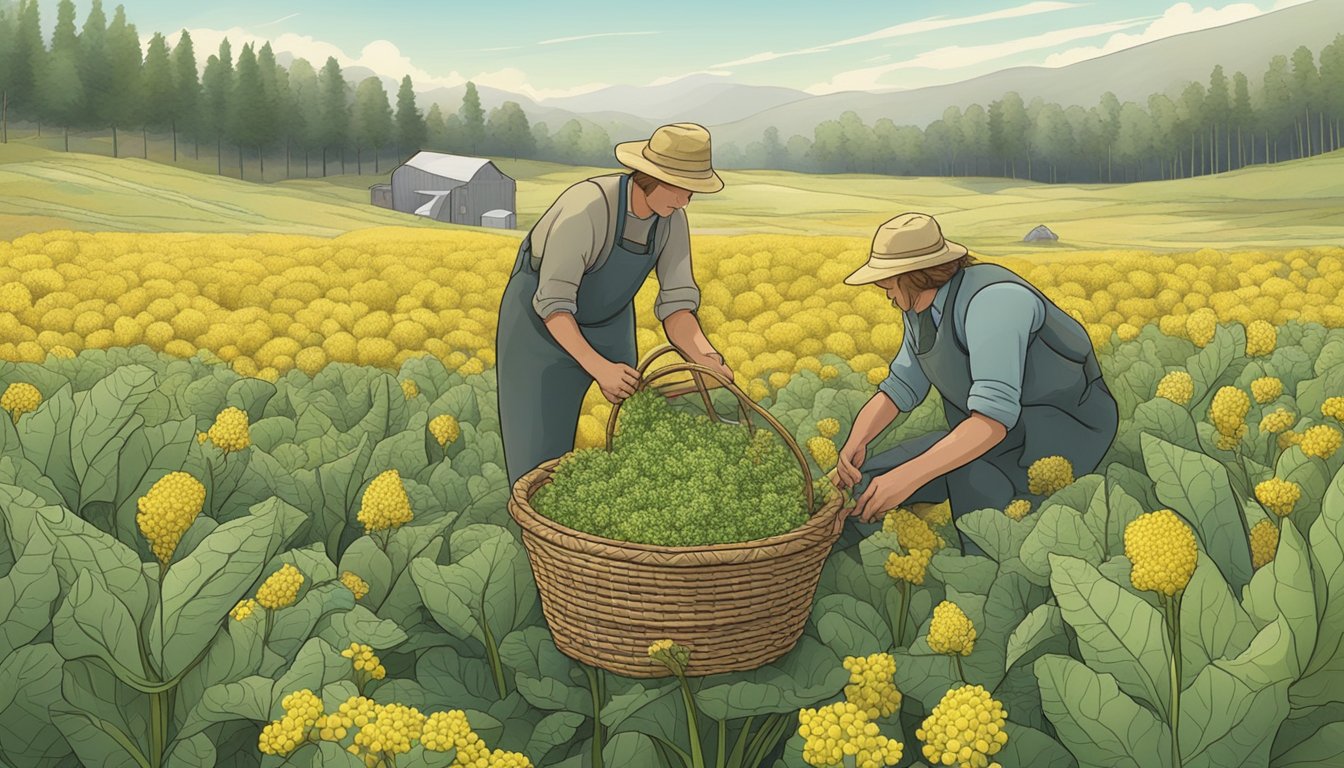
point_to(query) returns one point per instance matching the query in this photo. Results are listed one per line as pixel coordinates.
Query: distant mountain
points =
(707, 99)
(1132, 75)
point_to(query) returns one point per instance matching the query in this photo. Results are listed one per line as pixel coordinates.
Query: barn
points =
(450, 188)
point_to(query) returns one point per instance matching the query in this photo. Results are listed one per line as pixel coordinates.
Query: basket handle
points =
(743, 401)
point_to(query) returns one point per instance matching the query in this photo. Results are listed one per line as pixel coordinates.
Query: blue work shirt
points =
(1000, 321)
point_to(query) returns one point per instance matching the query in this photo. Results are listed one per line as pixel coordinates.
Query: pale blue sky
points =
(549, 49)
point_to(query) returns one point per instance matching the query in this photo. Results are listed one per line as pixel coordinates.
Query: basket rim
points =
(819, 525)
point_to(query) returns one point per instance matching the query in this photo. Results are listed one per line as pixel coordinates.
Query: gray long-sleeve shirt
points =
(1000, 321)
(567, 243)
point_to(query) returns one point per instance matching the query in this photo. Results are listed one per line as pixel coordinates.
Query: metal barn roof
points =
(454, 167)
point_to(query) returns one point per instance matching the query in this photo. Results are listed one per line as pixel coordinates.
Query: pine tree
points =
(123, 51)
(25, 58)
(217, 85)
(1109, 110)
(1305, 97)
(335, 122)
(372, 120)
(1218, 107)
(436, 130)
(158, 84)
(509, 131)
(473, 120)
(1241, 113)
(60, 90)
(1332, 85)
(307, 108)
(268, 111)
(186, 91)
(1277, 106)
(411, 130)
(6, 68)
(248, 106)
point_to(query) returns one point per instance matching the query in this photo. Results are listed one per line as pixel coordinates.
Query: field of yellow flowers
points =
(775, 305)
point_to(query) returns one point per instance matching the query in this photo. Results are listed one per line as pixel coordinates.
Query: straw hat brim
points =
(631, 155)
(889, 267)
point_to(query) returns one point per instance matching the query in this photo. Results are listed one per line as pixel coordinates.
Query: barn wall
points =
(406, 180)
(480, 195)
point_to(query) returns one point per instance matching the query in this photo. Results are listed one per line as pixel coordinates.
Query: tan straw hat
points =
(677, 154)
(906, 243)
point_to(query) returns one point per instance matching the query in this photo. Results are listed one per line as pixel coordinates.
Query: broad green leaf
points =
(403, 451)
(330, 495)
(458, 681)
(104, 417)
(200, 589)
(360, 625)
(1134, 483)
(1029, 748)
(1118, 634)
(1322, 749)
(28, 590)
(1197, 487)
(1209, 366)
(235, 653)
(1324, 675)
(93, 622)
(487, 588)
(47, 445)
(315, 665)
(1060, 531)
(1227, 722)
(1042, 629)
(195, 752)
(809, 673)
(104, 721)
(548, 679)
(1284, 588)
(247, 699)
(78, 546)
(637, 696)
(997, 534)
(1097, 722)
(292, 627)
(28, 738)
(968, 573)
(1213, 623)
(553, 730)
(1110, 511)
(850, 627)
(925, 678)
(1313, 476)
(147, 455)
(629, 749)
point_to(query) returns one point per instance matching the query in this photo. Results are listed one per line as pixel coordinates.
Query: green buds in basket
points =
(672, 655)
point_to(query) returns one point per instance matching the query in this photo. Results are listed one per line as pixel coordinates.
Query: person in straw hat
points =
(567, 319)
(1018, 378)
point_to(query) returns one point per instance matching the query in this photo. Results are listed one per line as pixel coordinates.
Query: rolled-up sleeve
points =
(570, 244)
(906, 385)
(1000, 321)
(677, 289)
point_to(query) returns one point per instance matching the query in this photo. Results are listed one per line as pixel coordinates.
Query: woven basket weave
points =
(735, 606)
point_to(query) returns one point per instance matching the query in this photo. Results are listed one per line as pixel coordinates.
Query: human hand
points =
(885, 493)
(616, 380)
(847, 468)
(714, 361)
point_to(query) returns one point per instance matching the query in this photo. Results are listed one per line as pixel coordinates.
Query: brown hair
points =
(932, 277)
(645, 182)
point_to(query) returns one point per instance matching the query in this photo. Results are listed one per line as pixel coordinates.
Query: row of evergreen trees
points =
(93, 77)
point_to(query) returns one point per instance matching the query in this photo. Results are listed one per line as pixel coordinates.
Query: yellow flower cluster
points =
(1278, 496)
(62, 352)
(445, 429)
(390, 732)
(1017, 509)
(675, 656)
(828, 427)
(823, 452)
(354, 712)
(1049, 475)
(1321, 441)
(1228, 412)
(951, 631)
(1176, 386)
(1264, 543)
(243, 609)
(230, 431)
(911, 532)
(1266, 389)
(167, 510)
(1261, 338)
(839, 731)
(965, 729)
(280, 589)
(1162, 550)
(280, 737)
(363, 659)
(909, 568)
(935, 515)
(385, 504)
(1201, 326)
(449, 730)
(357, 586)
(1288, 439)
(1277, 421)
(20, 398)
(410, 389)
(871, 684)
(1333, 408)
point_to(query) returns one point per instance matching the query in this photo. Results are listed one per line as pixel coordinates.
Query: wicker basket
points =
(736, 606)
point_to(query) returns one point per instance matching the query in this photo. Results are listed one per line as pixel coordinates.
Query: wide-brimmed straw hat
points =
(678, 154)
(909, 242)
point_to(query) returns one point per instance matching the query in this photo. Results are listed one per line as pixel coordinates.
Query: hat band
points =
(686, 166)
(936, 247)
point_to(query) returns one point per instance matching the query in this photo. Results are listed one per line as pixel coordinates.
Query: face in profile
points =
(896, 293)
(665, 198)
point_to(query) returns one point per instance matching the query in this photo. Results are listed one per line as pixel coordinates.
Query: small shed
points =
(451, 188)
(499, 218)
(1041, 233)
(381, 195)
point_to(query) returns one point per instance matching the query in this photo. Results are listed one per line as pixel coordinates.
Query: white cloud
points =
(1178, 19)
(555, 40)
(380, 56)
(1288, 4)
(954, 57)
(675, 78)
(921, 26)
(277, 21)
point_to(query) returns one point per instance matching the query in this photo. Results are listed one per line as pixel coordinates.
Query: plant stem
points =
(692, 723)
(492, 652)
(594, 687)
(901, 618)
(740, 744)
(961, 673)
(1172, 608)
(158, 704)
(771, 733)
(722, 739)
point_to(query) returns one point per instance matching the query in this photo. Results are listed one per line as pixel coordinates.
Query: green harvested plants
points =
(677, 478)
